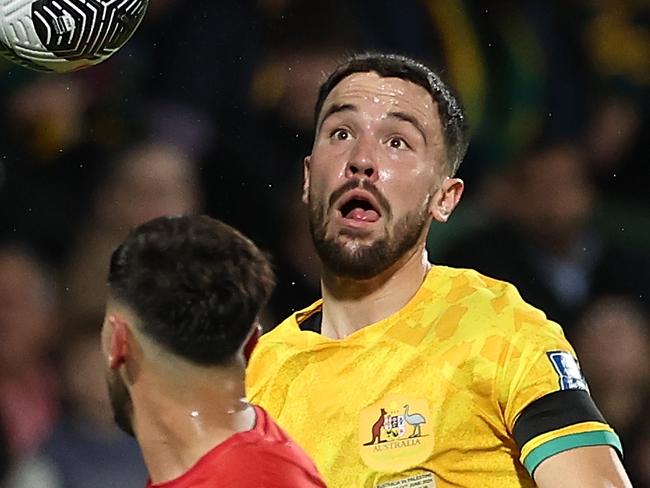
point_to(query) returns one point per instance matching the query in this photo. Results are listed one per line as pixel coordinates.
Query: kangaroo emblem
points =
(376, 429)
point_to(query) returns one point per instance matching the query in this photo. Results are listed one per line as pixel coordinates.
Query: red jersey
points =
(263, 457)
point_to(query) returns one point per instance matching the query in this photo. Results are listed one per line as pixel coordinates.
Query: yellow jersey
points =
(465, 386)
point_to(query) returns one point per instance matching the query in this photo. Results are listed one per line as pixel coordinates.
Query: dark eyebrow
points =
(336, 108)
(411, 119)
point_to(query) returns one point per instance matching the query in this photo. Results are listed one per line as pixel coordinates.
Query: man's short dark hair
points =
(196, 284)
(454, 126)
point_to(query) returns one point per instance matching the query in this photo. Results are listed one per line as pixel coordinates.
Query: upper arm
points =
(584, 467)
(545, 399)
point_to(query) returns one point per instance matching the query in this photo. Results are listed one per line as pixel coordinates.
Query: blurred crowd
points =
(209, 109)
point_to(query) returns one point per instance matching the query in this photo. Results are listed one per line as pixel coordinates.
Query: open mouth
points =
(360, 209)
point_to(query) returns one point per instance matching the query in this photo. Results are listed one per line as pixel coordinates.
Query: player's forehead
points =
(371, 91)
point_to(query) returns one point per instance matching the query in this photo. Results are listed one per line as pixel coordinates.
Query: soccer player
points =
(408, 374)
(184, 294)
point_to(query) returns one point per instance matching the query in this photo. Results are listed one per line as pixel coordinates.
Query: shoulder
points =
(468, 285)
(486, 311)
(269, 456)
(265, 382)
(290, 326)
(493, 306)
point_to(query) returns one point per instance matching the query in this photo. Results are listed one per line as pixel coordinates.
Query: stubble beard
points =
(360, 261)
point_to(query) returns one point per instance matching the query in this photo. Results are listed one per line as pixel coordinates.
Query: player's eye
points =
(340, 134)
(398, 143)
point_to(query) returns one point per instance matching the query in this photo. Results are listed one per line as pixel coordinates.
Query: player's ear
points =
(251, 341)
(306, 178)
(118, 341)
(444, 201)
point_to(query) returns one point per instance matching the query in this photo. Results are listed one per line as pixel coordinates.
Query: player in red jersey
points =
(183, 297)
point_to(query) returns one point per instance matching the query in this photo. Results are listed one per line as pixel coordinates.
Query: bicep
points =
(553, 411)
(583, 467)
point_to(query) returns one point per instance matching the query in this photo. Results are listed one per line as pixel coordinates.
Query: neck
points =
(179, 420)
(350, 305)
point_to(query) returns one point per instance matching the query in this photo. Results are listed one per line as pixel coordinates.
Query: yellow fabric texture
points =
(466, 355)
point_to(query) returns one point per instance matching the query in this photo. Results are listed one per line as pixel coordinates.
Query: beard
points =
(365, 261)
(121, 402)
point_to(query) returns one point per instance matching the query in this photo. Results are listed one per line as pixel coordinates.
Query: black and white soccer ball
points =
(66, 35)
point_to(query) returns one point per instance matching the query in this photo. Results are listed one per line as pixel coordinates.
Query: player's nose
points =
(362, 162)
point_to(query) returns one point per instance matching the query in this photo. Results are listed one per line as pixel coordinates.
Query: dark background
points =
(208, 108)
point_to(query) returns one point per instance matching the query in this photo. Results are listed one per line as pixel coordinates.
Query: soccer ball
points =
(66, 35)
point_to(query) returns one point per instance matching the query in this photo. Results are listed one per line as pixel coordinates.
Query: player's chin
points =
(363, 234)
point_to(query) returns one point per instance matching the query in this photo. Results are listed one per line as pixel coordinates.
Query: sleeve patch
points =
(567, 368)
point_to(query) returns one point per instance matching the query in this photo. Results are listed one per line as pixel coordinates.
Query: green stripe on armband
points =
(571, 441)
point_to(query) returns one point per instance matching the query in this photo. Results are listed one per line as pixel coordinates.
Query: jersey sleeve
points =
(543, 394)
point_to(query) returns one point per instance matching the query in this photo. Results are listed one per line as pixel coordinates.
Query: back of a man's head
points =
(195, 284)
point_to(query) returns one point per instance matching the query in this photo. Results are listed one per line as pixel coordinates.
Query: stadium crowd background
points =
(209, 109)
